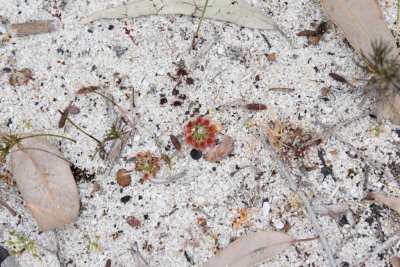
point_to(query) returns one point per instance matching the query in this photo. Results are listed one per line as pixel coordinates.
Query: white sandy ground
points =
(169, 213)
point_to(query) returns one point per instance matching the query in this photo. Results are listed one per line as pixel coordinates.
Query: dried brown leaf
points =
(30, 28)
(221, 150)
(87, 89)
(45, 180)
(175, 142)
(256, 106)
(338, 77)
(391, 202)
(362, 23)
(251, 249)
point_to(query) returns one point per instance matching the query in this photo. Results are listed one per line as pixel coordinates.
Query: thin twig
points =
(381, 248)
(284, 172)
(366, 177)
(5, 205)
(136, 253)
(168, 179)
(58, 252)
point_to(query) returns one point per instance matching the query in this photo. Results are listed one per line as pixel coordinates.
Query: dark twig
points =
(285, 173)
(326, 170)
(366, 177)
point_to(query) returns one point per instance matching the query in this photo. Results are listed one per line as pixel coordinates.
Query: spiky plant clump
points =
(385, 70)
(147, 163)
(384, 85)
(200, 133)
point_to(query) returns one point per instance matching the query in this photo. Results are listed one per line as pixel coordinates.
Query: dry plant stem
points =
(284, 172)
(168, 179)
(136, 253)
(199, 25)
(381, 248)
(80, 129)
(398, 13)
(5, 205)
(49, 135)
(58, 252)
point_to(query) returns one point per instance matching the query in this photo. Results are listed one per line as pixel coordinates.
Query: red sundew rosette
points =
(200, 133)
(147, 164)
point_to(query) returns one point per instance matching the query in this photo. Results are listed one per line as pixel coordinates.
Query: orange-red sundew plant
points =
(147, 163)
(200, 133)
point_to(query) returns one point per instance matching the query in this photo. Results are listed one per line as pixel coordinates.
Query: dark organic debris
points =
(125, 199)
(196, 154)
(338, 77)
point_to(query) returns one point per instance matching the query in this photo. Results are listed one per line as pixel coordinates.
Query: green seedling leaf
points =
(362, 23)
(46, 182)
(252, 249)
(237, 12)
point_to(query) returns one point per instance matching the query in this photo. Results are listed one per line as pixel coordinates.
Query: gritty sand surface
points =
(224, 68)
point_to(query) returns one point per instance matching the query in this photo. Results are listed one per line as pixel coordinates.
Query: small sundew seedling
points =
(147, 163)
(94, 245)
(377, 130)
(200, 133)
(20, 243)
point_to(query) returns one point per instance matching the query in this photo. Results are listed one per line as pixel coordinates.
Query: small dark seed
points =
(195, 154)
(175, 91)
(177, 103)
(182, 96)
(125, 199)
(189, 80)
(163, 101)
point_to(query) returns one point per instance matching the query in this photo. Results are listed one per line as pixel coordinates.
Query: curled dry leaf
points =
(237, 12)
(391, 202)
(362, 23)
(221, 150)
(45, 180)
(20, 77)
(252, 249)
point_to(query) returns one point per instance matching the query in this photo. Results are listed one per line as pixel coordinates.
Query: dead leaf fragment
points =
(237, 12)
(221, 150)
(87, 89)
(46, 182)
(30, 28)
(5, 205)
(361, 22)
(251, 249)
(395, 261)
(20, 77)
(391, 202)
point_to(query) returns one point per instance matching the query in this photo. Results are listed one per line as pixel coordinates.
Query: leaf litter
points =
(281, 139)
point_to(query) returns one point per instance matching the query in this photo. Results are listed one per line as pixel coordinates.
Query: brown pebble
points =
(325, 91)
(271, 57)
(313, 40)
(123, 178)
(221, 150)
(201, 222)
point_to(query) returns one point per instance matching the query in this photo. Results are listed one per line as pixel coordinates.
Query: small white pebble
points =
(136, 139)
(278, 224)
(266, 208)
(220, 50)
